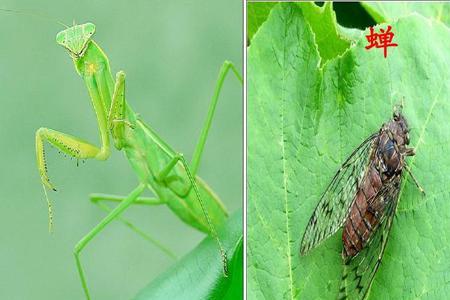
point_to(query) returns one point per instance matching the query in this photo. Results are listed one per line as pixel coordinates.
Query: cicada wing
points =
(360, 270)
(333, 207)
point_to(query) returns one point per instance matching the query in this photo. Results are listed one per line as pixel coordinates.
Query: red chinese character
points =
(381, 40)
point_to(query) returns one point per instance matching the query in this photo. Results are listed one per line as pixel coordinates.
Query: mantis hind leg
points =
(114, 214)
(224, 70)
(162, 177)
(99, 199)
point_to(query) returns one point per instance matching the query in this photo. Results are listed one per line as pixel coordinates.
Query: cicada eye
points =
(396, 116)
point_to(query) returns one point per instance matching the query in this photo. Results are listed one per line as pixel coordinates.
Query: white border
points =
(244, 93)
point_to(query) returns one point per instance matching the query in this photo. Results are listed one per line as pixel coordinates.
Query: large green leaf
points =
(257, 13)
(321, 19)
(323, 24)
(389, 11)
(303, 121)
(199, 275)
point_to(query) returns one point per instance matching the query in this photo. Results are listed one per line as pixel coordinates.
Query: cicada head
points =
(399, 128)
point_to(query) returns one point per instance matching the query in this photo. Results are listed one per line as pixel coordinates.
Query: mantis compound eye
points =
(89, 29)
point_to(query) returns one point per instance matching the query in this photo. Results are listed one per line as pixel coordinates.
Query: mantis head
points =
(76, 38)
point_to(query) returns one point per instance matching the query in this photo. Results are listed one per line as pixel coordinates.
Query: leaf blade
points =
(199, 275)
(328, 111)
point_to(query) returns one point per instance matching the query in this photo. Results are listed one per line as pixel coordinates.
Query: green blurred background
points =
(171, 52)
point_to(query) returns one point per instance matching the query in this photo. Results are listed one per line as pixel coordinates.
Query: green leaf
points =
(236, 289)
(199, 275)
(323, 23)
(321, 19)
(351, 34)
(303, 121)
(389, 11)
(257, 13)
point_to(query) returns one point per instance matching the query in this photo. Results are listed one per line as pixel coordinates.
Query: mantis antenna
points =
(34, 14)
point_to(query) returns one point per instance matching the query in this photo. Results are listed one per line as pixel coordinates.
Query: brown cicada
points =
(362, 198)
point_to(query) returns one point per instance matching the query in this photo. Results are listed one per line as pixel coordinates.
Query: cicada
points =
(362, 198)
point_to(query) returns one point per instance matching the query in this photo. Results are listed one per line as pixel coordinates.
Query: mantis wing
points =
(329, 215)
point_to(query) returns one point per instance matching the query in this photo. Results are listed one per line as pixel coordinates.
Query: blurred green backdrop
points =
(171, 52)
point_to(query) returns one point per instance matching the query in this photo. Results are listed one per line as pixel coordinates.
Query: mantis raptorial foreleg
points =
(116, 115)
(110, 217)
(72, 145)
(67, 144)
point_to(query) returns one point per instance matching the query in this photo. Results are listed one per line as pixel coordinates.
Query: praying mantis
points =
(158, 167)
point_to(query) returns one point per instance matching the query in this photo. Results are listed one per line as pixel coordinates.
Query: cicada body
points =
(362, 199)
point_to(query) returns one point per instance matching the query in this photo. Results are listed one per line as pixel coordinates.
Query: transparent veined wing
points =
(360, 270)
(333, 207)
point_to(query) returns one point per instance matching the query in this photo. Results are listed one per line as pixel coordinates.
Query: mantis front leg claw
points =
(67, 144)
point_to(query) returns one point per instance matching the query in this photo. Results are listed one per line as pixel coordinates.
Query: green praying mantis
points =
(158, 167)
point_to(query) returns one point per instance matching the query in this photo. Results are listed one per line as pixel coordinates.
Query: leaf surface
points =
(323, 23)
(199, 275)
(389, 11)
(257, 13)
(304, 120)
